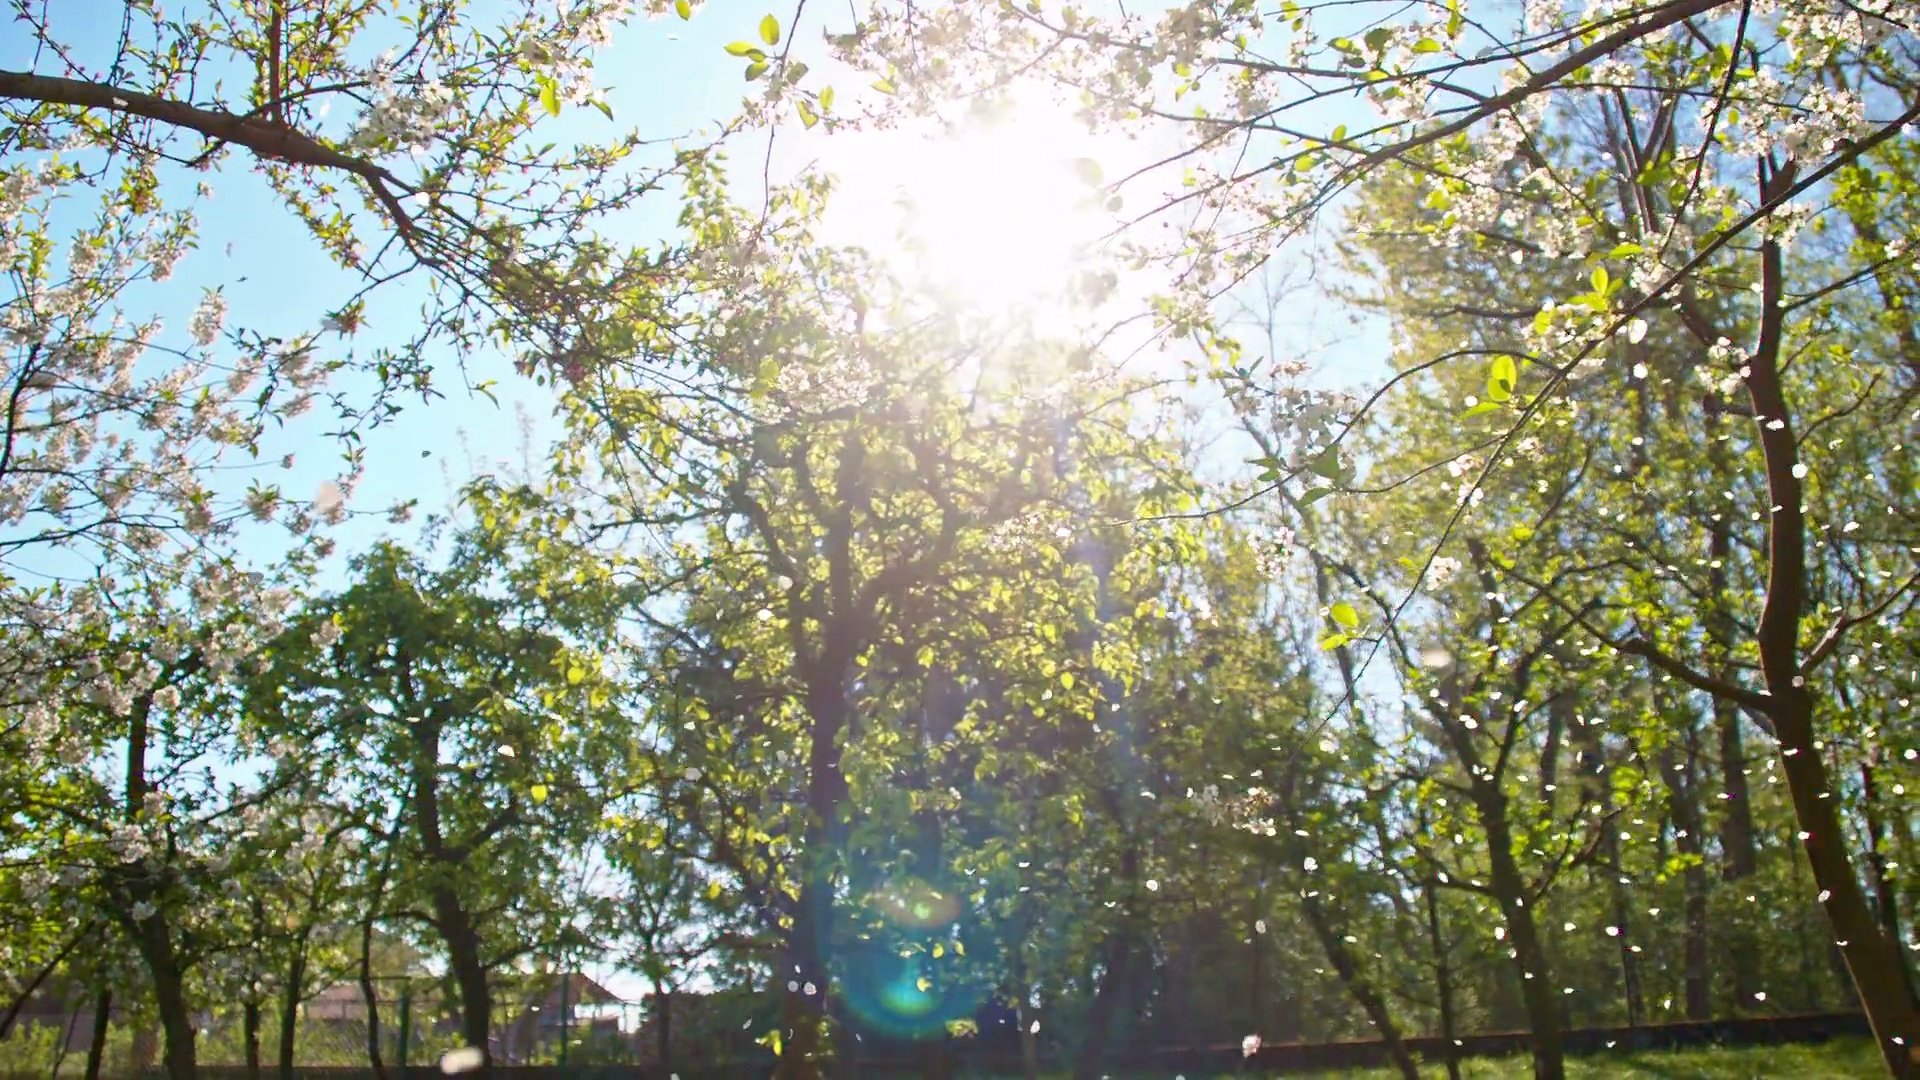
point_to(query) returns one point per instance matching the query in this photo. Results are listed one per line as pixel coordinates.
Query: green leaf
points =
(550, 96)
(884, 86)
(756, 69)
(1326, 464)
(1480, 409)
(770, 30)
(826, 99)
(1344, 615)
(683, 9)
(1501, 378)
(1378, 37)
(1334, 641)
(1426, 45)
(808, 117)
(1314, 495)
(1621, 251)
(743, 48)
(575, 674)
(1600, 279)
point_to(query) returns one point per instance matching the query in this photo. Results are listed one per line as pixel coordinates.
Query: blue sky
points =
(666, 77)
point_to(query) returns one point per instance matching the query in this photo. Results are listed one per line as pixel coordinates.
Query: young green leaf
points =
(1501, 377)
(1344, 615)
(770, 30)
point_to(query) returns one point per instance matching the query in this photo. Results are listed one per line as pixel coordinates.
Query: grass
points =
(1840, 1059)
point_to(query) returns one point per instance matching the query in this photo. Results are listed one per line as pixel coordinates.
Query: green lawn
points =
(1841, 1058)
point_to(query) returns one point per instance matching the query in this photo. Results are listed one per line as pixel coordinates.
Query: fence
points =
(598, 1038)
(536, 1020)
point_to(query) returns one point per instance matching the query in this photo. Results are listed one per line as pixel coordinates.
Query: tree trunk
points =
(367, 994)
(1739, 856)
(1741, 859)
(250, 1034)
(1689, 836)
(663, 1030)
(469, 972)
(1116, 964)
(803, 1012)
(1599, 792)
(1442, 976)
(290, 1005)
(97, 1044)
(1357, 984)
(1116, 973)
(450, 916)
(1871, 958)
(169, 996)
(1886, 898)
(1529, 958)
(1029, 1041)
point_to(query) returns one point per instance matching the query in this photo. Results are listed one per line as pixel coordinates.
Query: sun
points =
(1002, 210)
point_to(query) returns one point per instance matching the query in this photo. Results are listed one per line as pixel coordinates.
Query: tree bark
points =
(450, 915)
(367, 994)
(369, 997)
(469, 971)
(250, 1034)
(1871, 958)
(153, 935)
(1886, 898)
(97, 1043)
(1739, 857)
(290, 1005)
(1357, 985)
(1599, 792)
(155, 943)
(1689, 826)
(1529, 958)
(1116, 966)
(1442, 976)
(803, 999)
(663, 1030)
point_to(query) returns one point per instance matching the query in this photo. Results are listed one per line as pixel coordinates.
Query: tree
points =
(468, 704)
